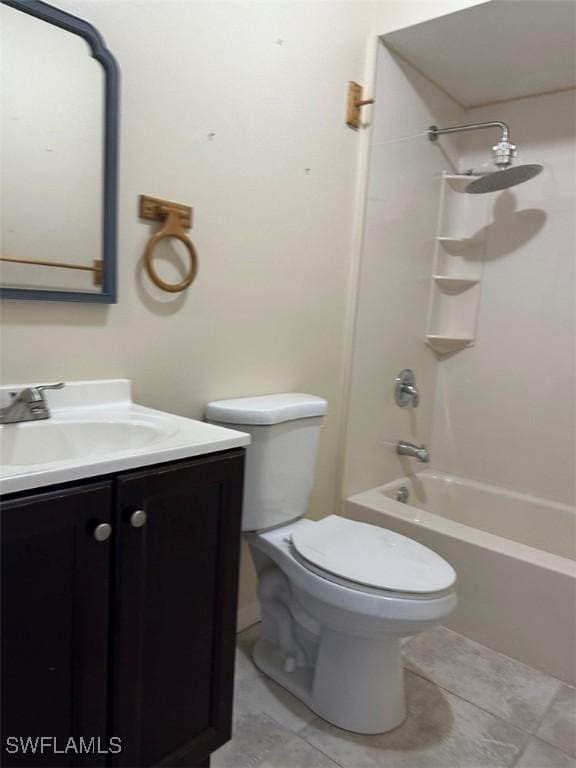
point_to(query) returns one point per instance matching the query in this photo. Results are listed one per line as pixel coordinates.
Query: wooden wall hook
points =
(355, 103)
(176, 218)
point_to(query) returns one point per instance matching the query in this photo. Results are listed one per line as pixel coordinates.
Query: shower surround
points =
(497, 415)
(505, 410)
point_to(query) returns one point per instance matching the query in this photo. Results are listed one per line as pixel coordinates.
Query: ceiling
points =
(495, 51)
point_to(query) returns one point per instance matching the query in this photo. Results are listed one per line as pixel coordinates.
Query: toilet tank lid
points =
(266, 409)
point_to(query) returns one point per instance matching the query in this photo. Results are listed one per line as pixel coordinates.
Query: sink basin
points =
(95, 429)
(42, 442)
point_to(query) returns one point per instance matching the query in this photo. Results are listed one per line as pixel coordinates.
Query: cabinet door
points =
(54, 624)
(175, 613)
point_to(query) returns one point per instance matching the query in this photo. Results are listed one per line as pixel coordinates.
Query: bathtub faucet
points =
(407, 449)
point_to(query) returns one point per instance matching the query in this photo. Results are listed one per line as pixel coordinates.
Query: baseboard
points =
(248, 615)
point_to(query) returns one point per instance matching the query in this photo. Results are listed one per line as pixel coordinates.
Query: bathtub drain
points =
(402, 494)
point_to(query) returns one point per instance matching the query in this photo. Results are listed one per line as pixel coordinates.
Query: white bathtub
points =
(514, 556)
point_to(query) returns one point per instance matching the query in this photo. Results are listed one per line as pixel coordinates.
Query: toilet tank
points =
(281, 459)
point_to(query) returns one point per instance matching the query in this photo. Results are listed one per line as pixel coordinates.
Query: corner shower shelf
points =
(458, 181)
(455, 284)
(446, 344)
(457, 267)
(457, 244)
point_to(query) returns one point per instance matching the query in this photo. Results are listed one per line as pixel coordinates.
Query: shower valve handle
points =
(406, 391)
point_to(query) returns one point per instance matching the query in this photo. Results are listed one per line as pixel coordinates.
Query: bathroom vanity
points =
(119, 589)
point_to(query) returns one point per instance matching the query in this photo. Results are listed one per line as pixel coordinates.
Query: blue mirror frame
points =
(78, 26)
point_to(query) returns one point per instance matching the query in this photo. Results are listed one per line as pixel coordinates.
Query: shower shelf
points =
(457, 267)
(458, 181)
(455, 284)
(457, 244)
(446, 344)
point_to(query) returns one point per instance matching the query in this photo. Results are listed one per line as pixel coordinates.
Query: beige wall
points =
(237, 109)
(506, 408)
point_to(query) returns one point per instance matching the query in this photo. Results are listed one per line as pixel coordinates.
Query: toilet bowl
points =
(336, 595)
(335, 643)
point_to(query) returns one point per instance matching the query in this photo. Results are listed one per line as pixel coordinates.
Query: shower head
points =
(505, 152)
(509, 177)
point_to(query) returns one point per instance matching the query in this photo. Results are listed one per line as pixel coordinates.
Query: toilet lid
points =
(373, 556)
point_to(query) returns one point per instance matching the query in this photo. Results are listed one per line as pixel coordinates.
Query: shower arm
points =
(504, 151)
(434, 131)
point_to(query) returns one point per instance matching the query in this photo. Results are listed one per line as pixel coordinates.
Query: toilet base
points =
(357, 683)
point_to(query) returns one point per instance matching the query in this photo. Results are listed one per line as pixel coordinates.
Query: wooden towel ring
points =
(176, 218)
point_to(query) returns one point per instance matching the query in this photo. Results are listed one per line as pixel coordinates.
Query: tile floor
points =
(469, 707)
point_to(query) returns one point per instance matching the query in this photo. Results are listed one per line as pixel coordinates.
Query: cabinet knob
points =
(102, 531)
(138, 518)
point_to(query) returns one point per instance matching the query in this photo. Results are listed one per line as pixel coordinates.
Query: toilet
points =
(336, 595)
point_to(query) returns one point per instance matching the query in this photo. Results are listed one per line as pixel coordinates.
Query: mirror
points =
(58, 123)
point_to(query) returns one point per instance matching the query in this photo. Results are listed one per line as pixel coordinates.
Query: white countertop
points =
(95, 429)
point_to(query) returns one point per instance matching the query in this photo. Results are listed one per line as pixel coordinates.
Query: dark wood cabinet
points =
(174, 614)
(129, 637)
(54, 621)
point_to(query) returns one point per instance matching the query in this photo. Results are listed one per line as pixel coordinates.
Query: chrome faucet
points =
(28, 405)
(407, 449)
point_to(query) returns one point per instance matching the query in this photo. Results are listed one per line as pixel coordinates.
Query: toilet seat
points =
(368, 556)
(365, 607)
